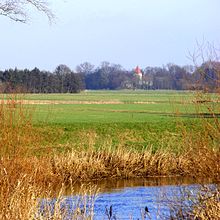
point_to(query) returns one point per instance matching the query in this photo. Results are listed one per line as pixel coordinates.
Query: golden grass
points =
(18, 201)
(16, 131)
(121, 163)
(202, 204)
(209, 205)
(24, 200)
(90, 164)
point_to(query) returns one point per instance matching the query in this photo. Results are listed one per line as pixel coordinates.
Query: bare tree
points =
(17, 10)
(206, 59)
(85, 68)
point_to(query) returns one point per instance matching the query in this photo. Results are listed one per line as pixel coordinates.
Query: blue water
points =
(129, 202)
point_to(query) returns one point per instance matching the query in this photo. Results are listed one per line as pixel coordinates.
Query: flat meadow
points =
(115, 106)
(138, 119)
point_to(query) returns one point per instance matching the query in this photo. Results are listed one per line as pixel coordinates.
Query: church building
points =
(138, 72)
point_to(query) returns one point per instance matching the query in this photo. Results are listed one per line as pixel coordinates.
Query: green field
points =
(121, 95)
(118, 95)
(115, 106)
(135, 119)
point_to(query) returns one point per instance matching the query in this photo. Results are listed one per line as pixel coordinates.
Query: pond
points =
(130, 199)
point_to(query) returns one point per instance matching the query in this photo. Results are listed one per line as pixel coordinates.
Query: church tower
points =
(138, 72)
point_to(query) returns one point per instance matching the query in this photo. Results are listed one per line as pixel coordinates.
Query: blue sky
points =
(126, 32)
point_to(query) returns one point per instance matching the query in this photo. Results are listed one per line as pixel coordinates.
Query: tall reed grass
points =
(24, 200)
(200, 203)
(16, 129)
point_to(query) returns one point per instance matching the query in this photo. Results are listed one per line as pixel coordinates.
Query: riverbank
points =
(27, 178)
(31, 190)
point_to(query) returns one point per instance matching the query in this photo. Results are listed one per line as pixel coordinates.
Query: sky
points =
(126, 32)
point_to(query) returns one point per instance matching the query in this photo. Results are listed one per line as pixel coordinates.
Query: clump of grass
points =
(80, 206)
(18, 199)
(208, 206)
(121, 163)
(87, 165)
(201, 204)
(22, 200)
(16, 130)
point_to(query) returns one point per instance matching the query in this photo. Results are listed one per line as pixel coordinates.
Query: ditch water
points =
(128, 199)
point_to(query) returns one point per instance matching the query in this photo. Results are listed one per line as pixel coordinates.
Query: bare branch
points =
(17, 10)
(206, 60)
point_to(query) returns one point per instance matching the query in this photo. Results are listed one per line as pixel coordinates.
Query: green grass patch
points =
(143, 119)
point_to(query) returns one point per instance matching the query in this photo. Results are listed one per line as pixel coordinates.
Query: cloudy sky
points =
(126, 32)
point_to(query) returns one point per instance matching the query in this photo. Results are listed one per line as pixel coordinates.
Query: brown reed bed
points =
(90, 165)
(25, 180)
(122, 163)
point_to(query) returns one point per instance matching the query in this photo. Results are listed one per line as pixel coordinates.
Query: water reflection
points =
(112, 185)
(128, 199)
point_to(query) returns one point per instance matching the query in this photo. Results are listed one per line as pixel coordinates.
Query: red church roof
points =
(138, 70)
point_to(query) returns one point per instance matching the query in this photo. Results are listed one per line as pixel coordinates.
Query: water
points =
(131, 202)
(129, 198)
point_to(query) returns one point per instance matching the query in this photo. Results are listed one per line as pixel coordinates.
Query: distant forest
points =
(110, 76)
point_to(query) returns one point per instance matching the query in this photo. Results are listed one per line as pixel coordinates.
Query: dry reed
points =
(200, 204)
(22, 201)
(16, 131)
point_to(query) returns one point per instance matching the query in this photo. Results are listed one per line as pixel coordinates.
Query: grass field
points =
(120, 95)
(115, 106)
(136, 119)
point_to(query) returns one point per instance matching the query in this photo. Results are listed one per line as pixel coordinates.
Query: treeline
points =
(62, 80)
(110, 76)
